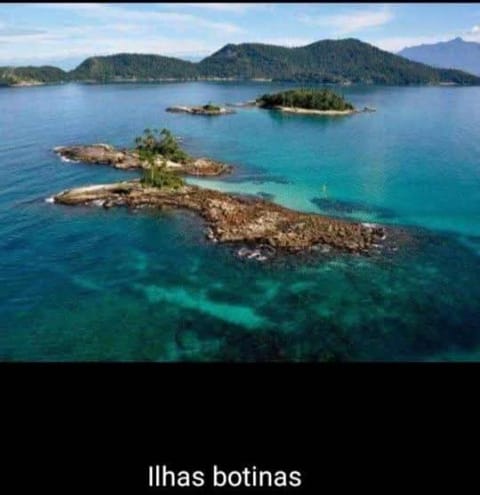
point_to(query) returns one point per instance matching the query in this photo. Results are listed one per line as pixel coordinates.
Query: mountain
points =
(455, 54)
(31, 75)
(336, 61)
(133, 66)
(324, 61)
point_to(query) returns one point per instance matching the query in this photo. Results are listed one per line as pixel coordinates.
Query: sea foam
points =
(68, 160)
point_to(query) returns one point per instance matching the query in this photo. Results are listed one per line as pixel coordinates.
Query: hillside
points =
(31, 75)
(334, 61)
(325, 61)
(455, 54)
(125, 66)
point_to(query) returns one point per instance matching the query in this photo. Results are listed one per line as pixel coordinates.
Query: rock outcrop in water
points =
(236, 219)
(208, 110)
(104, 154)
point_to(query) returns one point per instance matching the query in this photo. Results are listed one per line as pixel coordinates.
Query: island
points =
(307, 101)
(231, 218)
(166, 151)
(245, 220)
(209, 109)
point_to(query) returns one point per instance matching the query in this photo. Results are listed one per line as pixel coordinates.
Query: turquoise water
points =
(90, 284)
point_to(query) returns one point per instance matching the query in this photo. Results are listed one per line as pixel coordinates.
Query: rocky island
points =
(209, 110)
(125, 159)
(235, 218)
(251, 221)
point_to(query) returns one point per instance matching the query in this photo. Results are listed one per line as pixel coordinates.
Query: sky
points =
(64, 34)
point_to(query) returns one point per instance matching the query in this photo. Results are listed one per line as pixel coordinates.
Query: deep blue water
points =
(86, 283)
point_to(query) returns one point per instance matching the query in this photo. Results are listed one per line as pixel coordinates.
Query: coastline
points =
(307, 111)
(125, 159)
(237, 219)
(27, 84)
(231, 218)
(199, 110)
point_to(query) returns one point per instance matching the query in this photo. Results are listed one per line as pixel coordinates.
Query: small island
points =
(307, 101)
(209, 109)
(165, 149)
(231, 218)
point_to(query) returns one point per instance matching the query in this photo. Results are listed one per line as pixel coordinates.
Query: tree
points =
(315, 99)
(162, 143)
(152, 149)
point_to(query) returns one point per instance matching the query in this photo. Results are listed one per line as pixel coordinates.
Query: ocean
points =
(89, 284)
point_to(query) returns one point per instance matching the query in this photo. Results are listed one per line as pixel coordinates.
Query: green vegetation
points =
(156, 145)
(311, 99)
(130, 66)
(209, 107)
(327, 61)
(45, 75)
(162, 143)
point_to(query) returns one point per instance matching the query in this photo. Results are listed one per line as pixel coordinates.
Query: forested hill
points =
(346, 60)
(125, 66)
(33, 75)
(325, 61)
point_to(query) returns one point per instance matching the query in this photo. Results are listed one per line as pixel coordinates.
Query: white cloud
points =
(290, 42)
(235, 8)
(106, 29)
(475, 29)
(283, 41)
(174, 20)
(17, 31)
(351, 22)
(89, 46)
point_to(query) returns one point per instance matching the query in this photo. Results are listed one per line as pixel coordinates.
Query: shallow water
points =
(90, 284)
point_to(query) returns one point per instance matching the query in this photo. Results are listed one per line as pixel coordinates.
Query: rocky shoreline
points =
(124, 159)
(244, 220)
(199, 110)
(308, 111)
(304, 111)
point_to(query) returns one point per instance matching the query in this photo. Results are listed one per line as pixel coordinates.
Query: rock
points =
(267, 228)
(201, 110)
(104, 154)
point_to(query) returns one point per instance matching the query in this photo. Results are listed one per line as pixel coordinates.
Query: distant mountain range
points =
(453, 54)
(327, 61)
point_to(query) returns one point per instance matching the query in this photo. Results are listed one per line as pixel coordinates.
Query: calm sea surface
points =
(86, 283)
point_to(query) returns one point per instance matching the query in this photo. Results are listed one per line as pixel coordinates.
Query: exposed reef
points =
(209, 110)
(104, 154)
(237, 219)
(337, 207)
(308, 111)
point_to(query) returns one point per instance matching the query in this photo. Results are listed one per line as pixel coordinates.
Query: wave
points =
(68, 160)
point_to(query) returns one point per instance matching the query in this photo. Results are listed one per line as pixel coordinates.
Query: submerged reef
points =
(235, 218)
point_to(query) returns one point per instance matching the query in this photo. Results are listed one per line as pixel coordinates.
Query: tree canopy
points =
(326, 61)
(155, 148)
(312, 99)
(161, 143)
